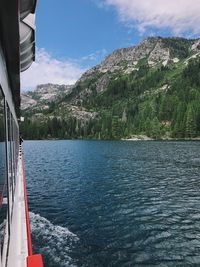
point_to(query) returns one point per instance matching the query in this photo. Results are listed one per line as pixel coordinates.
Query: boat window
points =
(3, 172)
(16, 146)
(11, 157)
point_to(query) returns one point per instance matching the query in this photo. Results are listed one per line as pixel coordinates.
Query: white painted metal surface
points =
(18, 245)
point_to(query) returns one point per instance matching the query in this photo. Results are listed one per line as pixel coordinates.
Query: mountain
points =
(43, 95)
(151, 89)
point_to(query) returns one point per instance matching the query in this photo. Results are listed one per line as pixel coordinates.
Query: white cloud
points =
(47, 69)
(178, 16)
(95, 57)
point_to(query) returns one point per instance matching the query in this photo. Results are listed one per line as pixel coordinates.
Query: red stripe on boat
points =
(35, 261)
(32, 260)
(28, 227)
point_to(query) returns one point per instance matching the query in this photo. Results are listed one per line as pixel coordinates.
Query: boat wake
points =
(53, 241)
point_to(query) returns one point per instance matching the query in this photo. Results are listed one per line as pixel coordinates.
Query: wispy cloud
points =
(178, 16)
(48, 69)
(95, 57)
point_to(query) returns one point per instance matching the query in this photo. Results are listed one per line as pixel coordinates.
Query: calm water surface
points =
(96, 203)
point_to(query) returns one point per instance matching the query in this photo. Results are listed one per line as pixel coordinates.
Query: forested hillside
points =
(152, 89)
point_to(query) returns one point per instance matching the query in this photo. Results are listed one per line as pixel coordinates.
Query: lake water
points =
(103, 203)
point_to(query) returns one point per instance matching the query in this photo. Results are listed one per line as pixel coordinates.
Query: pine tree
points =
(191, 127)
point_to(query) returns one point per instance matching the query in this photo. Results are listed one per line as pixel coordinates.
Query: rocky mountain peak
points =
(196, 46)
(43, 95)
(152, 52)
(155, 50)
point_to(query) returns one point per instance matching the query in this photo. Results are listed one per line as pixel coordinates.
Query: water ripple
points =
(129, 203)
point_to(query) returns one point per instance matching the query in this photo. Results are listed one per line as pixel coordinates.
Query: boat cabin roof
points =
(17, 37)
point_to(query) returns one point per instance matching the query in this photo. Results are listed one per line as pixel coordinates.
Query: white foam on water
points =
(2, 231)
(54, 241)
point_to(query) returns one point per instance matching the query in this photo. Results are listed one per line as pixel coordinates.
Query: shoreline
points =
(138, 138)
(146, 138)
(133, 138)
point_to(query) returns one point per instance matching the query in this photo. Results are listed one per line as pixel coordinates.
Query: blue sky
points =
(80, 28)
(74, 35)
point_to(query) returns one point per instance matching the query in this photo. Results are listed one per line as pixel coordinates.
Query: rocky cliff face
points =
(27, 102)
(47, 97)
(125, 59)
(153, 51)
(43, 95)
